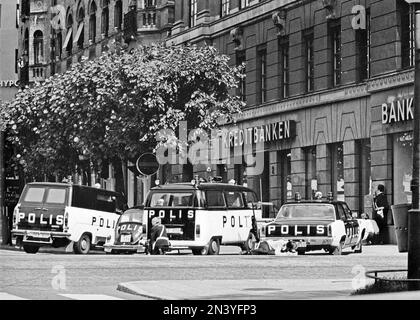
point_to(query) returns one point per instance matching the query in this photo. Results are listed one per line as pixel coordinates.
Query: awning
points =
(68, 35)
(79, 32)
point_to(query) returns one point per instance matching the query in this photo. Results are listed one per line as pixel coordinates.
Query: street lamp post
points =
(414, 213)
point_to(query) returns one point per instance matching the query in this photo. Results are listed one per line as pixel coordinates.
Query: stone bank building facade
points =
(340, 70)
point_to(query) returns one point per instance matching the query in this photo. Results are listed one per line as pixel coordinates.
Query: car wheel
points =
(250, 243)
(337, 251)
(30, 248)
(83, 245)
(199, 252)
(214, 247)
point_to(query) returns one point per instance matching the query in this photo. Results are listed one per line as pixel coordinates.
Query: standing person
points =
(159, 242)
(381, 208)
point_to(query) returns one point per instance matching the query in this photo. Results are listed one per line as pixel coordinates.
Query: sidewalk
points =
(306, 289)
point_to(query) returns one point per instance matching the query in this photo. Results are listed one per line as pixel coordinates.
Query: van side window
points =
(215, 199)
(105, 202)
(56, 196)
(251, 200)
(83, 198)
(34, 194)
(234, 199)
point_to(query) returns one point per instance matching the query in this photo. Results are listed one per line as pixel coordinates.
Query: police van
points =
(54, 214)
(203, 216)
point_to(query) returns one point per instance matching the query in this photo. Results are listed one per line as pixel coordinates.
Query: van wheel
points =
(214, 247)
(30, 249)
(250, 243)
(83, 245)
(199, 252)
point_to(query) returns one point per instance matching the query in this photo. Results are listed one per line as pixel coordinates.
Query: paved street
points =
(97, 276)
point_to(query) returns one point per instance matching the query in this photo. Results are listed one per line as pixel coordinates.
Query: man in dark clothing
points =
(381, 207)
(159, 242)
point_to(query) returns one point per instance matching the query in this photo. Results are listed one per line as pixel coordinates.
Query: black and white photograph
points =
(209, 158)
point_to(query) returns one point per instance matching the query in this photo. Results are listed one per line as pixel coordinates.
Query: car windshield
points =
(132, 215)
(171, 199)
(306, 211)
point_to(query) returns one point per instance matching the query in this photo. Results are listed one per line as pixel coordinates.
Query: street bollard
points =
(414, 248)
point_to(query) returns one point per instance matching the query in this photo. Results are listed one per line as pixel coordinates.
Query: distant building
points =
(9, 24)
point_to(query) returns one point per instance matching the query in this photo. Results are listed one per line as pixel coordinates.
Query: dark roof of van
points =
(62, 184)
(202, 186)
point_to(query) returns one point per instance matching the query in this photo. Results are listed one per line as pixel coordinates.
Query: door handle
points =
(44, 209)
(37, 208)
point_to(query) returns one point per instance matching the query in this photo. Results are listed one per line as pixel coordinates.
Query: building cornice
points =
(383, 82)
(212, 28)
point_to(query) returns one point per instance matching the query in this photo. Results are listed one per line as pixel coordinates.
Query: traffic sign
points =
(147, 164)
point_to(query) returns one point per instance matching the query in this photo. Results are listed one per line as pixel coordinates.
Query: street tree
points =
(108, 110)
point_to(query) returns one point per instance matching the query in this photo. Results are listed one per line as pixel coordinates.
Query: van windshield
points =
(171, 199)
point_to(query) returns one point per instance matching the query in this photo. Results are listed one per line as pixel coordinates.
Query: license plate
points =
(174, 231)
(125, 238)
(38, 235)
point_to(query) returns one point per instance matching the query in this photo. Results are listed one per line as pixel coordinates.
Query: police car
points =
(315, 225)
(202, 216)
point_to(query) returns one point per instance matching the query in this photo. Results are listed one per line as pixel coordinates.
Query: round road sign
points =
(147, 164)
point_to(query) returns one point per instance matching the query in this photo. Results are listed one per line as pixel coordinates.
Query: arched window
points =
(68, 42)
(118, 15)
(105, 17)
(38, 47)
(92, 21)
(80, 37)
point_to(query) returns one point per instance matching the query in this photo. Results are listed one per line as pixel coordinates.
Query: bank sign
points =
(397, 111)
(265, 133)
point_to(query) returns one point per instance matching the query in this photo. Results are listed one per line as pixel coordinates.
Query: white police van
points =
(54, 214)
(204, 216)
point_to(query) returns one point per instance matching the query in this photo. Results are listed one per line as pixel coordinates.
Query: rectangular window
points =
(407, 34)
(56, 196)
(0, 15)
(284, 68)
(193, 13)
(262, 75)
(244, 3)
(309, 60)
(363, 50)
(34, 194)
(240, 59)
(335, 48)
(224, 8)
(16, 60)
(234, 200)
(17, 14)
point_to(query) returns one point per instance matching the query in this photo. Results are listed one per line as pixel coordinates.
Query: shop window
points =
(311, 182)
(239, 170)
(285, 177)
(222, 172)
(402, 167)
(337, 170)
(365, 179)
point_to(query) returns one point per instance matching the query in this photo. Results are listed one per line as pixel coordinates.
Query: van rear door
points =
(42, 208)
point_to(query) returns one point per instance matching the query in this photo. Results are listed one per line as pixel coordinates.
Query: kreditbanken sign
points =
(400, 110)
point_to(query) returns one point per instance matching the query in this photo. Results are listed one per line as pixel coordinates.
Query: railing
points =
(374, 275)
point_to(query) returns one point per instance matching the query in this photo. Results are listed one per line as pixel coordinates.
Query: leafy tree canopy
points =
(111, 107)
